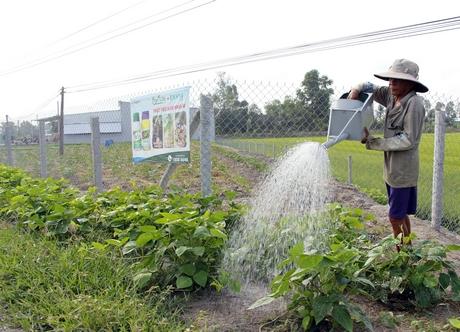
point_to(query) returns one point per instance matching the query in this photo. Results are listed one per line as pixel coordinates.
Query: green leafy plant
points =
(419, 274)
(375, 194)
(454, 322)
(171, 239)
(320, 283)
(183, 245)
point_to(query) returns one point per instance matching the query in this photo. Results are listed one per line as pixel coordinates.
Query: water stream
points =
(283, 211)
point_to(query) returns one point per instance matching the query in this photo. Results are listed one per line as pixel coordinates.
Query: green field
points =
(367, 168)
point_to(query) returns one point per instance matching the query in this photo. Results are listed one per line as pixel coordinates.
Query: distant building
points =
(114, 125)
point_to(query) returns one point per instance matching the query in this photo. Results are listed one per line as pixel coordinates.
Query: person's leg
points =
(397, 225)
(400, 202)
(399, 228)
(407, 228)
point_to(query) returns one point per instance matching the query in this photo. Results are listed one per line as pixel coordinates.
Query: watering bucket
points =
(348, 117)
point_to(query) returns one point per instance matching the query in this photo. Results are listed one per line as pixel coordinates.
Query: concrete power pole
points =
(61, 125)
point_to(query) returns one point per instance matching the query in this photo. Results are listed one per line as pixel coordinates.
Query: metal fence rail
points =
(256, 117)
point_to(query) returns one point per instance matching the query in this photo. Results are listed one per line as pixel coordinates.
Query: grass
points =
(367, 168)
(46, 286)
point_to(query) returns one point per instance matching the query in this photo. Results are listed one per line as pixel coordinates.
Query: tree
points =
(451, 114)
(313, 99)
(429, 115)
(231, 114)
(28, 130)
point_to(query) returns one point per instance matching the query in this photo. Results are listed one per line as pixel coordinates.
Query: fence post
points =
(205, 144)
(350, 170)
(61, 125)
(438, 169)
(96, 153)
(9, 147)
(42, 143)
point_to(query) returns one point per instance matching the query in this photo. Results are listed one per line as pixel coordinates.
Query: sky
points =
(32, 30)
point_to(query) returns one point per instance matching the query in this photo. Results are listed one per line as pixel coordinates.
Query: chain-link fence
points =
(256, 117)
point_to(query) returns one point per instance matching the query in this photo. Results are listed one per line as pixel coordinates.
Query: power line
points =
(39, 108)
(97, 22)
(127, 25)
(341, 42)
(48, 59)
(304, 48)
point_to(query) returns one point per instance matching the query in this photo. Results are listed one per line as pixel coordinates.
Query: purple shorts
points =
(402, 201)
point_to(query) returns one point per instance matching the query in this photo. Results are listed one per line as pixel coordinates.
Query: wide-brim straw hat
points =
(404, 69)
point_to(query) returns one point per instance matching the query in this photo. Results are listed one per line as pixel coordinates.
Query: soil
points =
(227, 311)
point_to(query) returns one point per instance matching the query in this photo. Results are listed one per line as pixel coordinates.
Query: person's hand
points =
(365, 135)
(353, 94)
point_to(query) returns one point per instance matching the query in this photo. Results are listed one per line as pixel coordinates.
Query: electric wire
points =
(276, 53)
(48, 59)
(342, 42)
(125, 26)
(39, 108)
(97, 22)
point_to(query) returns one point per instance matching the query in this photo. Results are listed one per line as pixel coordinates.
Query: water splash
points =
(283, 211)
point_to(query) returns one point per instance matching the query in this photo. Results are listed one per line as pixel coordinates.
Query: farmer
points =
(404, 118)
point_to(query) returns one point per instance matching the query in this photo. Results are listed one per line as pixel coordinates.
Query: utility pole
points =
(9, 148)
(61, 125)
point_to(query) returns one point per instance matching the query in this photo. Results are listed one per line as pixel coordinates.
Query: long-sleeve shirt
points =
(401, 135)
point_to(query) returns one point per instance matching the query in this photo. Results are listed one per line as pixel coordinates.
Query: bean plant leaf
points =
(218, 233)
(129, 247)
(309, 261)
(297, 249)
(184, 282)
(230, 195)
(201, 231)
(117, 243)
(188, 269)
(423, 297)
(455, 322)
(147, 229)
(359, 316)
(354, 222)
(201, 278)
(306, 322)
(260, 302)
(141, 279)
(342, 316)
(181, 250)
(430, 281)
(444, 280)
(321, 308)
(453, 247)
(365, 281)
(198, 251)
(143, 239)
(98, 246)
(171, 216)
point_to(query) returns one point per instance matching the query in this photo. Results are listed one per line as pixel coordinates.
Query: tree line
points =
(304, 113)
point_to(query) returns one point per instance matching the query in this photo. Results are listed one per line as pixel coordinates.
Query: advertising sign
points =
(160, 125)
